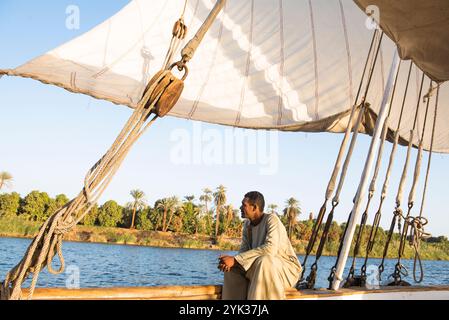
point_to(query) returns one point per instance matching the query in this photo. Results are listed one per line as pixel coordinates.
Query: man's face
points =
(247, 210)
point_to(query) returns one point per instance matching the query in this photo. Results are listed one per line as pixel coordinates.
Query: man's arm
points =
(227, 262)
(270, 246)
(245, 245)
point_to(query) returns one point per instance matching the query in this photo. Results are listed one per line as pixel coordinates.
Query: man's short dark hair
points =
(256, 198)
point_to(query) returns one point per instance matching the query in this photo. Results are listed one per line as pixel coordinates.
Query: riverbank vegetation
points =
(209, 223)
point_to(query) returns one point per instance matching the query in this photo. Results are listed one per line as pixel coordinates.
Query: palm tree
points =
(272, 208)
(206, 197)
(139, 203)
(174, 205)
(220, 200)
(5, 179)
(196, 213)
(229, 210)
(311, 216)
(189, 199)
(163, 205)
(292, 211)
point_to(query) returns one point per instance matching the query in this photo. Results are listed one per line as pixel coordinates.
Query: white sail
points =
(290, 65)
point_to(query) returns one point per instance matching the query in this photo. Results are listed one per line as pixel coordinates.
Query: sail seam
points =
(214, 59)
(315, 58)
(348, 51)
(282, 66)
(248, 64)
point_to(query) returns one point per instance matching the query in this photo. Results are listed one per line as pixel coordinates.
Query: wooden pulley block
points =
(169, 88)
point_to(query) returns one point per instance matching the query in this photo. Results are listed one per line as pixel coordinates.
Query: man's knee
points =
(265, 261)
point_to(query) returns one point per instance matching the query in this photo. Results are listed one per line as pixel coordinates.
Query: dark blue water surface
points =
(104, 265)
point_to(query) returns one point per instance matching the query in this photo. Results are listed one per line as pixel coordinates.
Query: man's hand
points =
(226, 263)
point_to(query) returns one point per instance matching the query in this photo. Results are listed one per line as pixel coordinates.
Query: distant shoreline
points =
(169, 240)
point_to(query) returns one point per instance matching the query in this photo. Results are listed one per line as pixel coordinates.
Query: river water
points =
(103, 265)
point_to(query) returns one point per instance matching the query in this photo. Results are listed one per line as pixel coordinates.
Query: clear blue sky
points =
(50, 137)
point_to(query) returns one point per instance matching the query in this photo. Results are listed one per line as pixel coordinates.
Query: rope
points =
(408, 220)
(397, 214)
(377, 217)
(178, 35)
(189, 50)
(372, 188)
(185, 8)
(336, 198)
(417, 224)
(49, 239)
(337, 166)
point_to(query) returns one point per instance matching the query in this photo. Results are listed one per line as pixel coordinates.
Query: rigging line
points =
(399, 267)
(397, 213)
(376, 221)
(184, 10)
(331, 184)
(355, 134)
(409, 148)
(418, 232)
(337, 166)
(431, 150)
(419, 157)
(372, 187)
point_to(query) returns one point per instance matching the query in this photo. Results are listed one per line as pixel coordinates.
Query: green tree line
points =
(210, 214)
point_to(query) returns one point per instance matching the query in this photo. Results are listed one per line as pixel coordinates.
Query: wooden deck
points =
(214, 293)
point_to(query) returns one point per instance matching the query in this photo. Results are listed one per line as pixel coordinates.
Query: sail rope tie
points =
(378, 215)
(160, 95)
(332, 182)
(397, 278)
(397, 213)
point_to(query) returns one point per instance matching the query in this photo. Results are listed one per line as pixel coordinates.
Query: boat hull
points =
(214, 293)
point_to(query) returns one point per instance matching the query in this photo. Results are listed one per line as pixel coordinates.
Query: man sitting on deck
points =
(266, 264)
